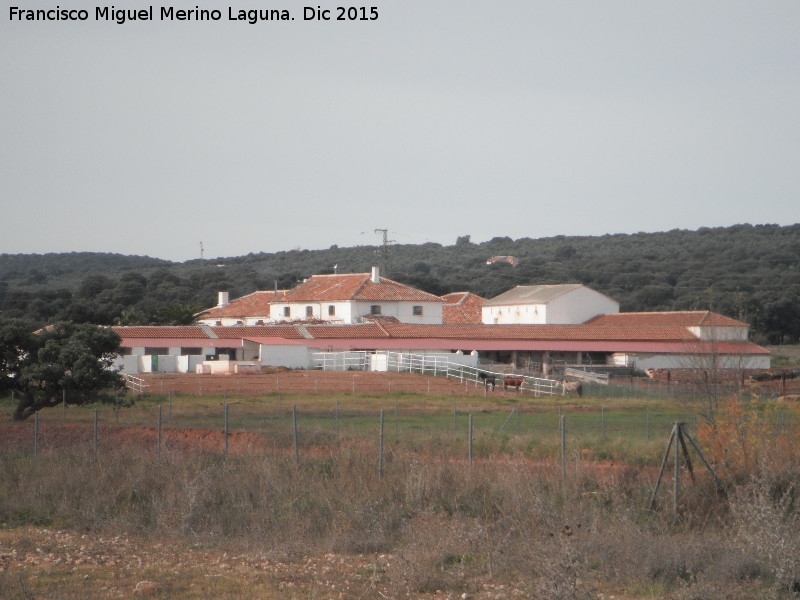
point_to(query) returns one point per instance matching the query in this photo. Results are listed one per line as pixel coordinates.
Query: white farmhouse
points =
(565, 304)
(252, 309)
(356, 297)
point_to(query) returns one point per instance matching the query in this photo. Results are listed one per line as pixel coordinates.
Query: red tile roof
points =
(462, 307)
(587, 337)
(354, 287)
(685, 318)
(288, 332)
(165, 332)
(255, 304)
(364, 330)
(539, 332)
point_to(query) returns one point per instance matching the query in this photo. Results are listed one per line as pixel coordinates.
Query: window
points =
(159, 351)
(287, 311)
(375, 309)
(331, 310)
(417, 311)
(191, 351)
(309, 312)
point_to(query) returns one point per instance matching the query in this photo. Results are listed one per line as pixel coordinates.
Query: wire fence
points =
(275, 423)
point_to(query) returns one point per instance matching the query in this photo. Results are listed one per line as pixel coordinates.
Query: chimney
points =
(223, 299)
(376, 275)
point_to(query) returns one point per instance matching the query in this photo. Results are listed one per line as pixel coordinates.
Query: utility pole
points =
(384, 252)
(201, 250)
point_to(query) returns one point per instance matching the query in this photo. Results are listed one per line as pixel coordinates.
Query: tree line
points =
(748, 272)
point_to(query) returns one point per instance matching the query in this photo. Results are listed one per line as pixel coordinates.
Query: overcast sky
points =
(440, 118)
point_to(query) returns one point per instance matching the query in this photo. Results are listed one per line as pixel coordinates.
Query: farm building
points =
(252, 309)
(571, 303)
(344, 298)
(462, 308)
(680, 341)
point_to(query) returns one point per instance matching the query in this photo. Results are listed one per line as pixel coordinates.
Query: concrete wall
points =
(720, 334)
(529, 314)
(352, 312)
(292, 357)
(685, 361)
(573, 308)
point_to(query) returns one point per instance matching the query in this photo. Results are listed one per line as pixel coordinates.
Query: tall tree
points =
(64, 362)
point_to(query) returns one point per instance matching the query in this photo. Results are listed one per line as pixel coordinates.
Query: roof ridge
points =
(208, 331)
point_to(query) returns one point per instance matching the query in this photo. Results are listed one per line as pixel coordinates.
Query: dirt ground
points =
(54, 563)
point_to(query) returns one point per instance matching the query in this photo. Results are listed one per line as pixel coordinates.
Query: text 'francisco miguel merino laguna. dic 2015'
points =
(170, 13)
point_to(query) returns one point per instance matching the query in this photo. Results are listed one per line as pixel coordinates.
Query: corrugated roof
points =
(685, 318)
(532, 294)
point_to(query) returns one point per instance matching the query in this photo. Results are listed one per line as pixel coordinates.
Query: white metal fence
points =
(134, 384)
(400, 362)
(586, 375)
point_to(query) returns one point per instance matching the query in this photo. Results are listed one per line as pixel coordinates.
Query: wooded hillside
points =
(747, 272)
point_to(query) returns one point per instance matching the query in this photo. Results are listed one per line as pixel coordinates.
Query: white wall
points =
(232, 321)
(529, 314)
(319, 310)
(352, 312)
(573, 308)
(292, 357)
(579, 305)
(719, 334)
(684, 361)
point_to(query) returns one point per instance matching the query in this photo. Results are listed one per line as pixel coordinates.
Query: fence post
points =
(563, 422)
(64, 403)
(35, 434)
(380, 451)
(158, 435)
(676, 473)
(226, 429)
(294, 425)
(470, 440)
(96, 433)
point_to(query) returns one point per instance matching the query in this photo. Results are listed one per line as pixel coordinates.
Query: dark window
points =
(331, 310)
(287, 311)
(417, 310)
(309, 311)
(159, 351)
(375, 309)
(191, 351)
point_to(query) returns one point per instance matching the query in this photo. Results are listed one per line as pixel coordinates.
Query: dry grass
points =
(256, 526)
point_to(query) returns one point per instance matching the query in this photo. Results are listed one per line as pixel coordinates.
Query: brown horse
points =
(515, 382)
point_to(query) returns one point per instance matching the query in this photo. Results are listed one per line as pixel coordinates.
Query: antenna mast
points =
(201, 250)
(384, 252)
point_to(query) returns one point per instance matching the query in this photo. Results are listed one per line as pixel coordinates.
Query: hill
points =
(749, 272)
